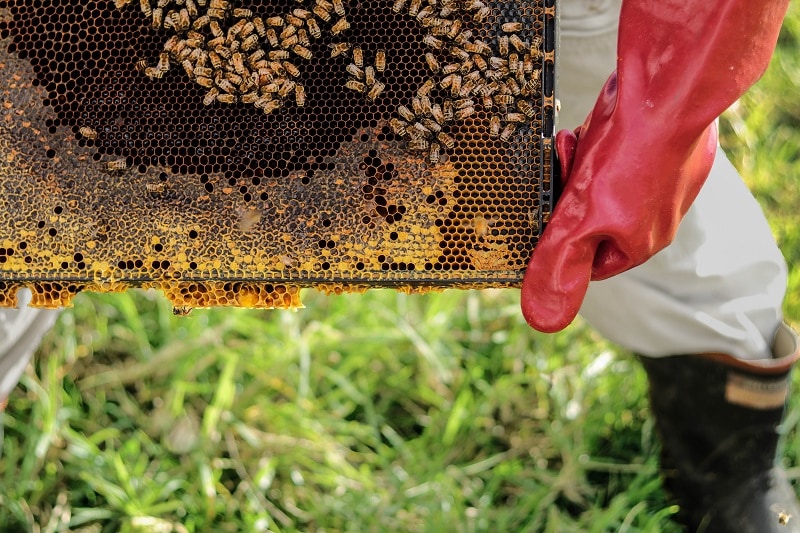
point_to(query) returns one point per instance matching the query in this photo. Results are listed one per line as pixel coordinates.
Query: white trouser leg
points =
(21, 330)
(719, 286)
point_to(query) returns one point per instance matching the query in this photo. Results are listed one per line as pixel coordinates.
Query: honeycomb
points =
(231, 152)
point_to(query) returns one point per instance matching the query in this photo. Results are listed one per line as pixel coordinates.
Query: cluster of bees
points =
(500, 79)
(240, 57)
(236, 55)
(362, 79)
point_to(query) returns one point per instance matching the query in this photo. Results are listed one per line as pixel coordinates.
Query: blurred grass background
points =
(374, 412)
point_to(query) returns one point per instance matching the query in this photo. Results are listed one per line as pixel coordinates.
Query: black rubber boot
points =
(718, 418)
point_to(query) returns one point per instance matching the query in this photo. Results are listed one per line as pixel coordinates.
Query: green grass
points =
(374, 412)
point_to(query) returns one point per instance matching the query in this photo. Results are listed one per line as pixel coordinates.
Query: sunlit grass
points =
(374, 412)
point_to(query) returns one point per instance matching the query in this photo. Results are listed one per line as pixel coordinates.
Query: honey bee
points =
(338, 7)
(376, 90)
(191, 8)
(447, 110)
(158, 18)
(478, 47)
(481, 225)
(250, 97)
(434, 153)
(437, 114)
(431, 125)
(220, 4)
(211, 96)
(354, 71)
(287, 32)
(153, 73)
(518, 43)
(532, 85)
(303, 14)
(88, 133)
(250, 42)
(406, 113)
(271, 106)
(323, 13)
(503, 99)
(157, 187)
(467, 88)
(188, 67)
(527, 108)
(482, 14)
(398, 126)
(425, 105)
(340, 26)
(117, 165)
(536, 47)
(314, 29)
(256, 56)
(358, 57)
(301, 51)
(276, 22)
(219, 14)
(459, 53)
(494, 126)
(464, 112)
(513, 87)
(338, 49)
(432, 62)
(300, 95)
(290, 41)
(369, 76)
(295, 21)
(217, 43)
(414, 7)
(508, 131)
(426, 87)
(302, 38)
(447, 141)
(119, 4)
(355, 85)
(433, 42)
(418, 144)
(783, 515)
(511, 27)
(181, 310)
(287, 88)
(291, 69)
(272, 37)
(516, 117)
(226, 98)
(455, 85)
(237, 60)
(225, 85)
(259, 26)
(380, 60)
(424, 15)
(262, 102)
(416, 105)
(276, 55)
(241, 13)
(502, 45)
(480, 62)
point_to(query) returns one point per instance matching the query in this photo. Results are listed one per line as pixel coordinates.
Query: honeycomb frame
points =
(231, 153)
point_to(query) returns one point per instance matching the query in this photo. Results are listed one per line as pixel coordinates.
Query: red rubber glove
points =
(632, 170)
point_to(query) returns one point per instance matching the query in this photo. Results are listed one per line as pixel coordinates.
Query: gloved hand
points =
(632, 170)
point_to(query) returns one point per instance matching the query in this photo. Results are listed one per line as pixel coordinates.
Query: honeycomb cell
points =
(227, 161)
